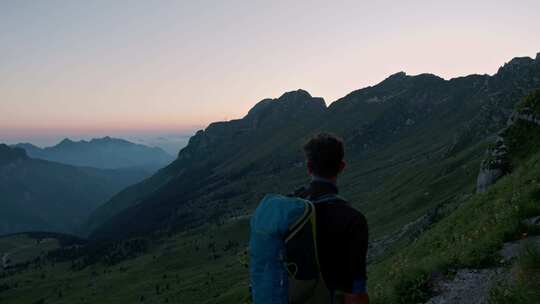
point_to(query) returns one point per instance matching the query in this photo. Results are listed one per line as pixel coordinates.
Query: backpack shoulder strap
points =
(309, 213)
(331, 197)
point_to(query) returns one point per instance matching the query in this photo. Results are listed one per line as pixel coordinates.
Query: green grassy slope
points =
(201, 266)
(25, 247)
(471, 235)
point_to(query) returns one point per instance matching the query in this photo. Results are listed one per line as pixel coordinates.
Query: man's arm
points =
(356, 298)
(358, 245)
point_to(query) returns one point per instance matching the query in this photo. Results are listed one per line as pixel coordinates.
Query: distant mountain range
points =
(413, 143)
(40, 195)
(103, 153)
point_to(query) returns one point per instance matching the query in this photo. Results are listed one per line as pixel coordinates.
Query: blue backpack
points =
(284, 266)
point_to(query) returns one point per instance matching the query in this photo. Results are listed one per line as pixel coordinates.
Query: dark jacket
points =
(342, 239)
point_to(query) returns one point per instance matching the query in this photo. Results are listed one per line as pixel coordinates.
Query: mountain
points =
(103, 153)
(413, 144)
(280, 120)
(41, 195)
(433, 237)
(470, 252)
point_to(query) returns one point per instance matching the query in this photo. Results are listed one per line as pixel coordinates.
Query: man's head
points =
(324, 155)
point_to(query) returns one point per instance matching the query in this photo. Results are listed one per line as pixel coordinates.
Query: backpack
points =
(284, 265)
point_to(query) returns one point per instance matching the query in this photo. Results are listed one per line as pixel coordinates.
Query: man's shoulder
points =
(301, 192)
(345, 213)
(354, 212)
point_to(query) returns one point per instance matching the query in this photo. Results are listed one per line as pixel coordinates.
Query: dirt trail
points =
(472, 286)
(469, 286)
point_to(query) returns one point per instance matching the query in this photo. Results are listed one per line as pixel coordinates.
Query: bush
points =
(413, 287)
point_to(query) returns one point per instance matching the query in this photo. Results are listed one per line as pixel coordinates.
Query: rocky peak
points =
(260, 106)
(265, 115)
(537, 57)
(516, 64)
(66, 142)
(289, 102)
(108, 140)
(302, 97)
(295, 95)
(520, 61)
(399, 76)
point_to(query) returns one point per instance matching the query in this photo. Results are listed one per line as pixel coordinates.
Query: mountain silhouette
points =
(40, 195)
(407, 133)
(103, 153)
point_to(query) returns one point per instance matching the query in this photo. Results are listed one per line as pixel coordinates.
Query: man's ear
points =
(342, 166)
(309, 168)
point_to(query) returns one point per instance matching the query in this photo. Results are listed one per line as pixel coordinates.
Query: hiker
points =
(300, 255)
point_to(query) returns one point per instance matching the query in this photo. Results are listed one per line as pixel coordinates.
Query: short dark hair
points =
(325, 154)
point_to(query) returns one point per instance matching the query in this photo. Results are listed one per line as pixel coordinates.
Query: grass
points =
(532, 102)
(199, 266)
(526, 288)
(21, 247)
(472, 234)
(469, 237)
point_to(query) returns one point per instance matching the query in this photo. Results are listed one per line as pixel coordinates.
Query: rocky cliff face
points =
(495, 166)
(497, 162)
(525, 115)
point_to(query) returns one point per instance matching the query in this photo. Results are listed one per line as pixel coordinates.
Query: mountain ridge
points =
(402, 115)
(102, 153)
(43, 195)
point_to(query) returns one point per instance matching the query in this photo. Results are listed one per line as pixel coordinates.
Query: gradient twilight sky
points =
(95, 68)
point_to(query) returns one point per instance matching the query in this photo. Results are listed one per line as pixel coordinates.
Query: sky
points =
(152, 69)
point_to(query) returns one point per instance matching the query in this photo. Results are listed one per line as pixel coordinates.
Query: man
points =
(342, 231)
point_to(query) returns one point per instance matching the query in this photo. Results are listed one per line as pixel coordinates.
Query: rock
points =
(469, 286)
(512, 250)
(526, 116)
(486, 178)
(373, 99)
(495, 166)
(532, 222)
